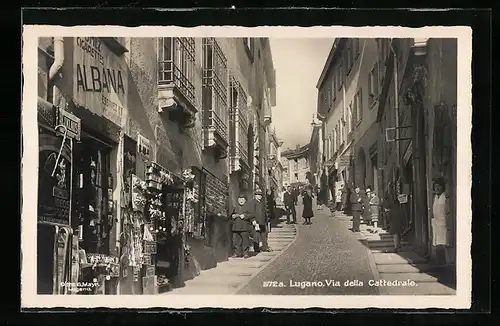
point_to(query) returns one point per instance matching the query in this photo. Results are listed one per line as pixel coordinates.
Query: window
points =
(239, 122)
(176, 64)
(296, 164)
(350, 125)
(249, 47)
(341, 77)
(349, 56)
(334, 87)
(332, 145)
(215, 80)
(358, 104)
(356, 48)
(337, 137)
(373, 85)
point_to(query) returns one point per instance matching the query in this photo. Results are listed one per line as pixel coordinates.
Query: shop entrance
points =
(92, 195)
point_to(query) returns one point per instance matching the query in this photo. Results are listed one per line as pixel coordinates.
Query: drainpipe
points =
(396, 100)
(58, 58)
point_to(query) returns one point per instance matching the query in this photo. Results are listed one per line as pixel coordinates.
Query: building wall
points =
(337, 108)
(139, 68)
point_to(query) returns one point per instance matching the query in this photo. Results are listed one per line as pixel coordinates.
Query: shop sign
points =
(143, 146)
(403, 198)
(345, 161)
(100, 78)
(408, 153)
(54, 189)
(150, 248)
(95, 258)
(71, 122)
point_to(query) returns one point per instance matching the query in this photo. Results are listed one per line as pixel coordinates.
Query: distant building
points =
(274, 167)
(296, 164)
(348, 91)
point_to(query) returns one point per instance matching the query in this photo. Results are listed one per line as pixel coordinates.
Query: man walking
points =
(241, 228)
(260, 219)
(357, 209)
(289, 203)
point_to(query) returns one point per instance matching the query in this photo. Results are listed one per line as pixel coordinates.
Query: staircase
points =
(405, 265)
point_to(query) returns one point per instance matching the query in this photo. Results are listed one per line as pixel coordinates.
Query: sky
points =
(298, 63)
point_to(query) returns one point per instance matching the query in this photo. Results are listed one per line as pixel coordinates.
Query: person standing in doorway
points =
(289, 203)
(241, 228)
(374, 209)
(307, 212)
(357, 209)
(338, 199)
(440, 220)
(396, 215)
(260, 221)
(365, 195)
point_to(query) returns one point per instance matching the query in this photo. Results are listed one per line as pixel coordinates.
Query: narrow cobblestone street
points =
(325, 252)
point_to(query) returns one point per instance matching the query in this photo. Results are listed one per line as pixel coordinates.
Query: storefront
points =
(58, 131)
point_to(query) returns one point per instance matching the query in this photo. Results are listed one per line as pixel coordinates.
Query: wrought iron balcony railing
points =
(176, 65)
(214, 82)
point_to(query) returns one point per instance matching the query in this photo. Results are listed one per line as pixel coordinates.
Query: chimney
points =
(297, 147)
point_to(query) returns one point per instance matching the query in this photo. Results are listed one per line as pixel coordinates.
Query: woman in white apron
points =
(440, 215)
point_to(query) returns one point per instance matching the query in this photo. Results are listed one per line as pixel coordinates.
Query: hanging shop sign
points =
(100, 78)
(403, 198)
(54, 180)
(71, 122)
(344, 161)
(143, 146)
(408, 152)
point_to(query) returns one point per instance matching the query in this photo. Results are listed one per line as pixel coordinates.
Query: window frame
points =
(216, 77)
(176, 62)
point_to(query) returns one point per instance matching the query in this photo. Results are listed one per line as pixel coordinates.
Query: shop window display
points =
(93, 218)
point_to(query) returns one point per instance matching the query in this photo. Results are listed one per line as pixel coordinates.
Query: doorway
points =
(92, 195)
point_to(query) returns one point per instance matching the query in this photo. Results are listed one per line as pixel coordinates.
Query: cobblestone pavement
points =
(326, 254)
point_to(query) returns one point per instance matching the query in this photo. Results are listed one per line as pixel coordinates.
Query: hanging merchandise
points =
(190, 199)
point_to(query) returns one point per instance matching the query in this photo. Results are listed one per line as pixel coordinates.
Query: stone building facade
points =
(418, 132)
(197, 104)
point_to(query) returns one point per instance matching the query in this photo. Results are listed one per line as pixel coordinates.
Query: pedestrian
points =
(357, 209)
(241, 228)
(295, 194)
(289, 203)
(346, 200)
(260, 221)
(270, 204)
(440, 220)
(396, 215)
(374, 210)
(365, 195)
(307, 212)
(338, 199)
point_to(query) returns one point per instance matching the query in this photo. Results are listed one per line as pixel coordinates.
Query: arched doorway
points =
(361, 168)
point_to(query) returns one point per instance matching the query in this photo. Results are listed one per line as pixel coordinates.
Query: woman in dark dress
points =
(307, 212)
(396, 215)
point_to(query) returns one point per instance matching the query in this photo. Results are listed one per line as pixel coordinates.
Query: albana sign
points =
(100, 79)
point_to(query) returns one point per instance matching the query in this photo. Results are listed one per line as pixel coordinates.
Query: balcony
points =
(215, 102)
(238, 126)
(176, 72)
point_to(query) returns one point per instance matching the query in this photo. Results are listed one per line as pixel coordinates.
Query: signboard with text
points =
(100, 79)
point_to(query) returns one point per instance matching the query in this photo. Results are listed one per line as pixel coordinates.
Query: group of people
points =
(250, 224)
(290, 199)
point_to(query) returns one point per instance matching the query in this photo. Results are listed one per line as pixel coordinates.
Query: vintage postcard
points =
(232, 167)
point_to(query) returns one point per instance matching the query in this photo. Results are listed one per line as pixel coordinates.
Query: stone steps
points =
(398, 258)
(417, 277)
(422, 288)
(405, 268)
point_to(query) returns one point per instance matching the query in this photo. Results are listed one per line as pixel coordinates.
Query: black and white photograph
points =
(278, 167)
